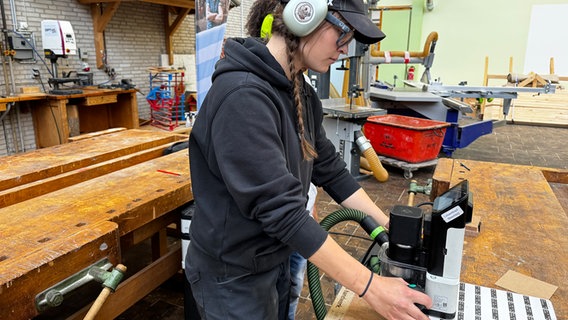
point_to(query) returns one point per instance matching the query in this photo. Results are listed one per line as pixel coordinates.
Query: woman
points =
(256, 145)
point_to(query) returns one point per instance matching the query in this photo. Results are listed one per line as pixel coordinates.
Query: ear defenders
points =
(266, 28)
(302, 17)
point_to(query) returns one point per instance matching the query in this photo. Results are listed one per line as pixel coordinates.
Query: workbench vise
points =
(426, 249)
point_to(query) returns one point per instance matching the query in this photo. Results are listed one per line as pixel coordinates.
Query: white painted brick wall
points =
(135, 40)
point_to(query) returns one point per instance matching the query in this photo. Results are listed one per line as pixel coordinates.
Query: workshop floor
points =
(515, 144)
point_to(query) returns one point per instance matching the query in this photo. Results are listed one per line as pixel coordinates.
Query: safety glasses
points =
(346, 33)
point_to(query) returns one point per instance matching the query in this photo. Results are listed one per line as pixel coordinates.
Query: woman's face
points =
(321, 48)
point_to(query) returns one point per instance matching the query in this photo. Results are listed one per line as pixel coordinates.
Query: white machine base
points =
(480, 303)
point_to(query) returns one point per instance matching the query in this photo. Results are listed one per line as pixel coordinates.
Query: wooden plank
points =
(544, 109)
(554, 175)
(25, 90)
(22, 277)
(37, 188)
(442, 177)
(146, 231)
(95, 134)
(23, 97)
(45, 163)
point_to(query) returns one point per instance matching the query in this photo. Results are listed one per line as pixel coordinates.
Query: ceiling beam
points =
(101, 17)
(171, 29)
(102, 12)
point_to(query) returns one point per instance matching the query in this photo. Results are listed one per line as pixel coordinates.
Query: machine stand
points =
(340, 124)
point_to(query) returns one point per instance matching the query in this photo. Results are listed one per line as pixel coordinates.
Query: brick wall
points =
(135, 41)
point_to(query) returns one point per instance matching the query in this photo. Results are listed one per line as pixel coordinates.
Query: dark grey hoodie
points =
(248, 175)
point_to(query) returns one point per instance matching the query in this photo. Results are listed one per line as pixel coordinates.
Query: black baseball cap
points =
(355, 13)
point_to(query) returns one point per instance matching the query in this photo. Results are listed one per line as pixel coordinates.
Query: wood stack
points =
(530, 108)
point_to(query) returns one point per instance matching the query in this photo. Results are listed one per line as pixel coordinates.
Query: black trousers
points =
(239, 295)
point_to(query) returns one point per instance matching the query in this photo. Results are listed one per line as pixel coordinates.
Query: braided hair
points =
(256, 16)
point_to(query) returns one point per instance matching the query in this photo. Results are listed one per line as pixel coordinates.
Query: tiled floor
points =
(515, 144)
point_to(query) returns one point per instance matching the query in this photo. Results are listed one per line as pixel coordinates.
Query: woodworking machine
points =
(443, 103)
(58, 42)
(425, 249)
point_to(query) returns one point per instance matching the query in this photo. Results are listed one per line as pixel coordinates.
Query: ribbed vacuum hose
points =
(370, 155)
(371, 227)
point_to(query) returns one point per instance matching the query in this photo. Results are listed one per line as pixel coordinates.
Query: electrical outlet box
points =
(22, 43)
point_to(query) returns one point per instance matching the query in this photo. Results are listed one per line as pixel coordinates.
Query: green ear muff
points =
(266, 28)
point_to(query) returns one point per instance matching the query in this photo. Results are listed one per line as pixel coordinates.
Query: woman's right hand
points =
(394, 299)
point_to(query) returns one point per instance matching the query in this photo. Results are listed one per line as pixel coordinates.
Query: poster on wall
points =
(210, 25)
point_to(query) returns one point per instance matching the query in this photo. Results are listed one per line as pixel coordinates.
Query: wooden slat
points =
(554, 175)
(137, 236)
(544, 109)
(95, 134)
(441, 178)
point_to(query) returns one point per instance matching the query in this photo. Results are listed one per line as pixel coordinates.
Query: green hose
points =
(370, 226)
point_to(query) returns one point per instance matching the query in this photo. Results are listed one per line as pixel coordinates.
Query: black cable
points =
(368, 253)
(40, 80)
(351, 235)
(56, 125)
(34, 50)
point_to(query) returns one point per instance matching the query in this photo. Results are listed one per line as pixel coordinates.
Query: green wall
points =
(403, 29)
(468, 32)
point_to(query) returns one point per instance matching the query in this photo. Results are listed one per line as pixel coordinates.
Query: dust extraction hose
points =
(370, 155)
(375, 231)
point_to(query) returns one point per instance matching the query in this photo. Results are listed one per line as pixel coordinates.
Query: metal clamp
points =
(55, 295)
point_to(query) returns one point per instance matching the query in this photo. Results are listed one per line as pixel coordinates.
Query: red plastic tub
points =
(405, 138)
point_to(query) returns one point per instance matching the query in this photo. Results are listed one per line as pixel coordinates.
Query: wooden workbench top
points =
(90, 92)
(524, 228)
(87, 92)
(66, 207)
(523, 225)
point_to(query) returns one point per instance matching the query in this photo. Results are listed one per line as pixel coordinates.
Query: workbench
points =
(523, 229)
(66, 208)
(94, 109)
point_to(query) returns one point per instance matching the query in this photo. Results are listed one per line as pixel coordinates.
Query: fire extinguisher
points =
(410, 75)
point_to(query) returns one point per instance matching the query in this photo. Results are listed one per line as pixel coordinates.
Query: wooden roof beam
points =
(189, 4)
(171, 29)
(103, 10)
(101, 17)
